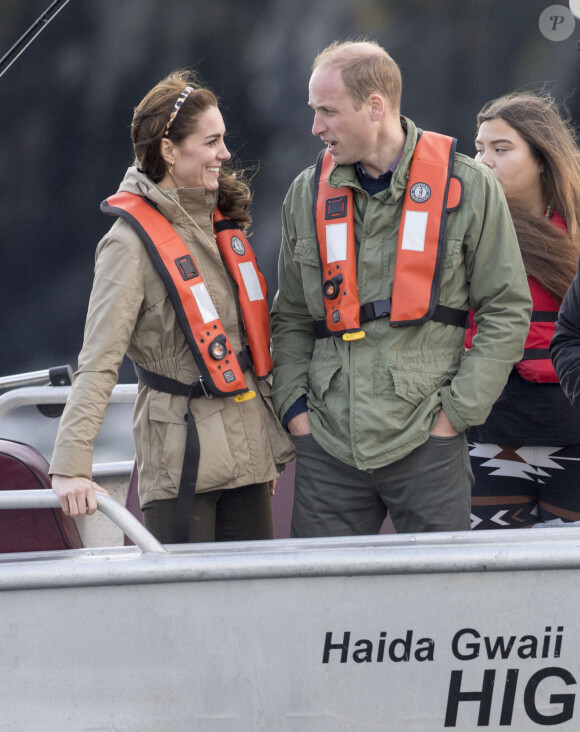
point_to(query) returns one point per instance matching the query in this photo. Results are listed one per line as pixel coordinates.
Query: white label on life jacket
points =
(204, 303)
(251, 281)
(414, 231)
(335, 242)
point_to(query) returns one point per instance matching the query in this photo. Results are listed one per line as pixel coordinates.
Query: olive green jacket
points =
(372, 401)
(130, 312)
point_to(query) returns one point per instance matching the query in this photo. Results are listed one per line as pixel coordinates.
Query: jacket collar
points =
(345, 175)
(196, 201)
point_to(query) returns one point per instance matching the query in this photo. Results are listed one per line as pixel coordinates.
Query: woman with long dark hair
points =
(526, 457)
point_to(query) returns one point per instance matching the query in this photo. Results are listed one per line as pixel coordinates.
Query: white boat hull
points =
(373, 633)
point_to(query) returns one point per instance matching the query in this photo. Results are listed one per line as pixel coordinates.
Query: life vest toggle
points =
(331, 290)
(331, 287)
(355, 336)
(245, 396)
(218, 348)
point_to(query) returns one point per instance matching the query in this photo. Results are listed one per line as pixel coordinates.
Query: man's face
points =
(346, 131)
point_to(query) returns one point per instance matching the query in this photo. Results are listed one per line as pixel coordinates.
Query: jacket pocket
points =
(306, 256)
(453, 253)
(417, 374)
(325, 364)
(217, 465)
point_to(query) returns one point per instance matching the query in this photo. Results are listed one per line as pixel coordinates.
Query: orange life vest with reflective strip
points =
(432, 192)
(220, 369)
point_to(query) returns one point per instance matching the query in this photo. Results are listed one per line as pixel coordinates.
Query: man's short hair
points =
(365, 68)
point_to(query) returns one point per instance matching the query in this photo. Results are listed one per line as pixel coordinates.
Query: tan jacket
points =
(130, 312)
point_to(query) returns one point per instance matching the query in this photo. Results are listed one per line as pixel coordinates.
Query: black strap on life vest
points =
(186, 491)
(535, 354)
(187, 483)
(544, 316)
(382, 309)
(540, 316)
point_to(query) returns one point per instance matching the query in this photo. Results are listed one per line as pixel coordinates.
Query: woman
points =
(170, 292)
(526, 457)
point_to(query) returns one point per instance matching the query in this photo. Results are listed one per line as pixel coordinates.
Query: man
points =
(371, 377)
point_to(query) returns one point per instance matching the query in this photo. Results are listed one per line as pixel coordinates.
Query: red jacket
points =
(536, 364)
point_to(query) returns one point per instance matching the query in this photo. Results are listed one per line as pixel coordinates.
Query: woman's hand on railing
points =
(77, 495)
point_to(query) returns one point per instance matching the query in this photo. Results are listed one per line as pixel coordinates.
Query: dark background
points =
(66, 105)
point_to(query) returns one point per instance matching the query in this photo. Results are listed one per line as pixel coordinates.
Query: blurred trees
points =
(67, 104)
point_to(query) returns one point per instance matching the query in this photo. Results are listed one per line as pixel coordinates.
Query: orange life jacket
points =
(432, 192)
(220, 368)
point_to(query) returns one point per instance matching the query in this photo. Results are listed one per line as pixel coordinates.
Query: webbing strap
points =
(186, 493)
(536, 354)
(382, 309)
(186, 490)
(544, 316)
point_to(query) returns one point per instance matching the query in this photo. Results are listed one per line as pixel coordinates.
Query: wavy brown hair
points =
(550, 254)
(148, 127)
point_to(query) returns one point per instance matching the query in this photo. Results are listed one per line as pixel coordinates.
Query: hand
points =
(443, 427)
(77, 495)
(272, 484)
(300, 424)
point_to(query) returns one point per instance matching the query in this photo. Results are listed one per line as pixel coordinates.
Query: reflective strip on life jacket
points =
(214, 355)
(432, 192)
(333, 216)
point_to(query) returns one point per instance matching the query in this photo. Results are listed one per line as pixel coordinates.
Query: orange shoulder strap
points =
(432, 192)
(218, 364)
(336, 248)
(241, 262)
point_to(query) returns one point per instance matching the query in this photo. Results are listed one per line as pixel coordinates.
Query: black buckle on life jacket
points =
(375, 310)
(186, 267)
(382, 309)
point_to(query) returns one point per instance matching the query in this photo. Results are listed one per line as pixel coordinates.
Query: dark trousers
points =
(428, 490)
(236, 514)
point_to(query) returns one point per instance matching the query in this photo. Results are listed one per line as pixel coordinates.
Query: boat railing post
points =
(55, 376)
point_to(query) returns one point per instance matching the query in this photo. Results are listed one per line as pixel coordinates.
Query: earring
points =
(171, 169)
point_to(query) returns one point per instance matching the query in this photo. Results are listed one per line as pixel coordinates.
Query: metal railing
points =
(41, 395)
(57, 376)
(118, 514)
